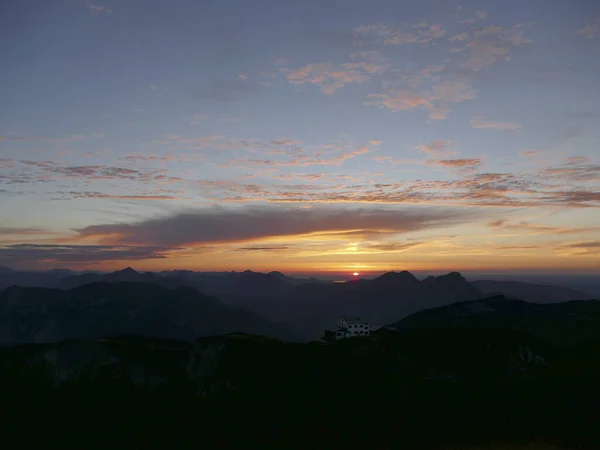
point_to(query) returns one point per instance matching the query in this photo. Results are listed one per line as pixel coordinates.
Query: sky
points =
(321, 136)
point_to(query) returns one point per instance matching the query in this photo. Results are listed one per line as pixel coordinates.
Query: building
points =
(349, 328)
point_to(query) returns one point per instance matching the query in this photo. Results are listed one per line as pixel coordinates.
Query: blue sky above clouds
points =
(346, 134)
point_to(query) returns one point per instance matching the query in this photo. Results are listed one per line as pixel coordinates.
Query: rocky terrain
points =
(446, 379)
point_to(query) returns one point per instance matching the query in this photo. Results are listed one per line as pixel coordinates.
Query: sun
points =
(356, 274)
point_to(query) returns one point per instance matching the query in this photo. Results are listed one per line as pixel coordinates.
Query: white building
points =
(352, 327)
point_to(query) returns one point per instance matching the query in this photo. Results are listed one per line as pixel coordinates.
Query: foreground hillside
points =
(422, 387)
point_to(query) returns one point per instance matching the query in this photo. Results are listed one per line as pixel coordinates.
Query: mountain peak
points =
(126, 271)
(276, 273)
(397, 277)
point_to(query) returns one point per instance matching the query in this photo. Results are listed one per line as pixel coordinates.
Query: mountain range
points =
(39, 315)
(279, 305)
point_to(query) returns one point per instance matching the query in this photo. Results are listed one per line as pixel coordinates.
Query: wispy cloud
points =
(331, 78)
(49, 254)
(294, 156)
(440, 147)
(99, 8)
(460, 162)
(590, 30)
(482, 122)
(487, 45)
(581, 248)
(527, 228)
(420, 33)
(69, 195)
(435, 100)
(530, 153)
(156, 87)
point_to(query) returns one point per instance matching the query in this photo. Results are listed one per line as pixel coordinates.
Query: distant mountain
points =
(535, 293)
(559, 323)
(27, 278)
(4, 269)
(312, 307)
(104, 309)
(126, 275)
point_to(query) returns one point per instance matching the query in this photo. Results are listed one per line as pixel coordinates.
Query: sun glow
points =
(356, 274)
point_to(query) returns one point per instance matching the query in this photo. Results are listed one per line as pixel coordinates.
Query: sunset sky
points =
(308, 137)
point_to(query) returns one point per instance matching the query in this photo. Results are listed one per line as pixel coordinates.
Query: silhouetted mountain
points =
(4, 269)
(312, 307)
(104, 309)
(536, 293)
(125, 275)
(275, 273)
(30, 278)
(403, 278)
(559, 323)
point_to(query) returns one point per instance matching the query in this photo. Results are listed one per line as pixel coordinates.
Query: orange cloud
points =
(533, 229)
(436, 100)
(437, 147)
(330, 78)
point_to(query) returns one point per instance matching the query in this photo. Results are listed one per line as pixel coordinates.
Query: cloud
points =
(582, 248)
(489, 44)
(482, 122)
(420, 33)
(590, 30)
(533, 229)
(393, 247)
(17, 254)
(47, 171)
(435, 100)
(577, 160)
(196, 119)
(61, 195)
(461, 162)
(517, 247)
(460, 37)
(323, 155)
(436, 147)
(156, 87)
(69, 139)
(530, 153)
(224, 226)
(99, 9)
(16, 231)
(575, 170)
(331, 78)
(507, 190)
(261, 249)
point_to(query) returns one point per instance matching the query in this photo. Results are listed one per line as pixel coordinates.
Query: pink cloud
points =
(590, 30)
(98, 8)
(459, 162)
(529, 153)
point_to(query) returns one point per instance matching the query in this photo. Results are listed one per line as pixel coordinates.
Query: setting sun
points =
(355, 274)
